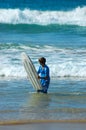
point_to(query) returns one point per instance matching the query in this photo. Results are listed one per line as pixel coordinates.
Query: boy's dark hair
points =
(42, 60)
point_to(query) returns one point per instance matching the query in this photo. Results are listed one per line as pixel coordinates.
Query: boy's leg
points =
(42, 91)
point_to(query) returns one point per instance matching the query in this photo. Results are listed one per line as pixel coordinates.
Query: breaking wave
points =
(76, 16)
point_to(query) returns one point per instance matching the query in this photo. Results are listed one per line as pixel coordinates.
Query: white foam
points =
(64, 69)
(62, 62)
(9, 70)
(68, 69)
(76, 16)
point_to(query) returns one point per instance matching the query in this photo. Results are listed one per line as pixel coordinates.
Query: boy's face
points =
(41, 63)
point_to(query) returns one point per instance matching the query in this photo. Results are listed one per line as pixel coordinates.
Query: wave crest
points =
(76, 16)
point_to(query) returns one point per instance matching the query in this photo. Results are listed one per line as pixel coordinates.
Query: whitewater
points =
(76, 16)
(62, 62)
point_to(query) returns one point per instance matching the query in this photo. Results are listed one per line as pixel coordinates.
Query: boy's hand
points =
(38, 77)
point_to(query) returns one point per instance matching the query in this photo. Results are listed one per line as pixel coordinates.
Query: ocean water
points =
(56, 30)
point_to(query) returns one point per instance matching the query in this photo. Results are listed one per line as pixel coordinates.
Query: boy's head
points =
(42, 60)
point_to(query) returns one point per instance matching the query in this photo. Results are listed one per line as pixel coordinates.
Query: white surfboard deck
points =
(31, 71)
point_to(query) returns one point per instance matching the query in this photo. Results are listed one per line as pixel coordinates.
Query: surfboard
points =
(31, 71)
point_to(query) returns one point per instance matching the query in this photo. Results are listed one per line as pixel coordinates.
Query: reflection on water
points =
(53, 106)
(37, 106)
(39, 100)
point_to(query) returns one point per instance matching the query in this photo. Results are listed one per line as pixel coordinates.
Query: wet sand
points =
(44, 125)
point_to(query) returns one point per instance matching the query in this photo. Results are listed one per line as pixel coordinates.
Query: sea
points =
(56, 30)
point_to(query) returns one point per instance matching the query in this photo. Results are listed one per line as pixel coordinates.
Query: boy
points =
(43, 75)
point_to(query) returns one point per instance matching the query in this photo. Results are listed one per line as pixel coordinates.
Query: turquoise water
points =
(56, 32)
(65, 100)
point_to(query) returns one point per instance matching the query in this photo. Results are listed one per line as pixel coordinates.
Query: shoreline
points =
(44, 124)
(23, 122)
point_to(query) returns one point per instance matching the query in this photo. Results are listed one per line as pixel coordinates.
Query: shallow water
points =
(57, 31)
(65, 100)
